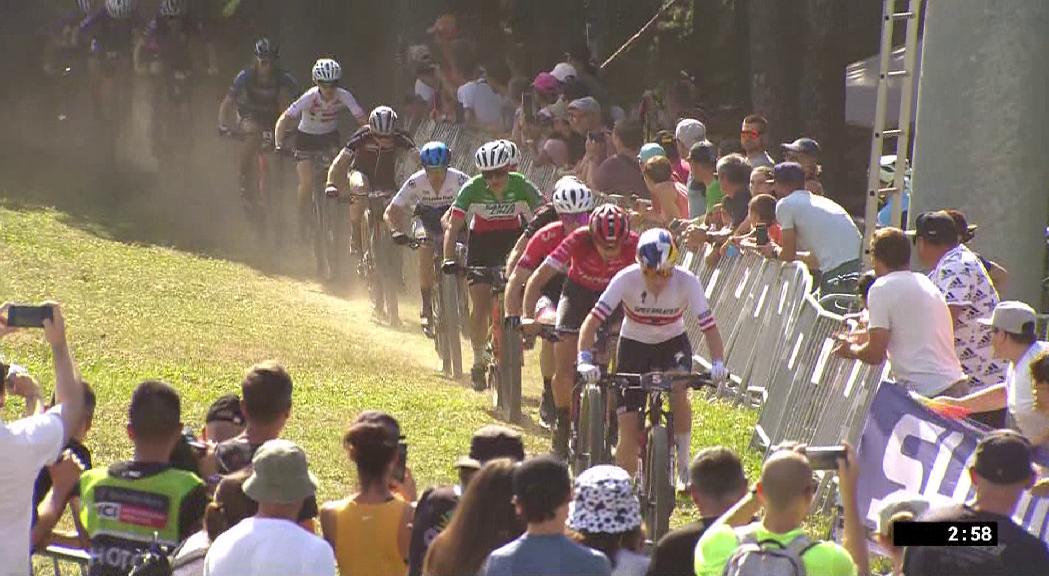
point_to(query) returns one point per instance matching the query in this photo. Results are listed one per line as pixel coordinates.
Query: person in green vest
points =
(130, 505)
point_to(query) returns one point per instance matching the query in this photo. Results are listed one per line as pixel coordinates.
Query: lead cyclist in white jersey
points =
(654, 294)
(317, 111)
(427, 194)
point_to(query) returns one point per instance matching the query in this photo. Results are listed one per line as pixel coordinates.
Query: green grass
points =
(141, 311)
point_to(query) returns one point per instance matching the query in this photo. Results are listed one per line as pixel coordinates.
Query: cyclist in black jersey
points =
(254, 102)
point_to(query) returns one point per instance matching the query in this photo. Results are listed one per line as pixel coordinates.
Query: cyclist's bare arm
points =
(513, 296)
(588, 331)
(339, 171)
(455, 226)
(515, 254)
(283, 127)
(396, 218)
(714, 343)
(534, 288)
(227, 111)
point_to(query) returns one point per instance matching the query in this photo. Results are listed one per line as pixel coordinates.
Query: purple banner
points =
(907, 447)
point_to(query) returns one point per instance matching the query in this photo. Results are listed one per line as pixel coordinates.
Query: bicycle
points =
(325, 226)
(446, 318)
(383, 280)
(654, 480)
(594, 429)
(172, 120)
(505, 350)
(260, 205)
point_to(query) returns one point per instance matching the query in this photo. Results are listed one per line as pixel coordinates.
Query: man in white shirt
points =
(1014, 340)
(272, 542)
(909, 324)
(27, 445)
(818, 225)
(483, 105)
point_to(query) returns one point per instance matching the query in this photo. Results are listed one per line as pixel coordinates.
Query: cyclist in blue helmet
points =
(427, 195)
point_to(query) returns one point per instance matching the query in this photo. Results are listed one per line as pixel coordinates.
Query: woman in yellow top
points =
(370, 530)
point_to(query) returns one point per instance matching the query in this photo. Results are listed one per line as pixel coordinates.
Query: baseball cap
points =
(280, 474)
(1004, 457)
(703, 151)
(546, 82)
(898, 502)
(491, 442)
(225, 409)
(563, 72)
(586, 104)
(1011, 316)
(604, 502)
(788, 172)
(803, 145)
(650, 151)
(689, 131)
(937, 225)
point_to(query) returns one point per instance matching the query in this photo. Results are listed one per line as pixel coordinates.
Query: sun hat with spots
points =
(604, 502)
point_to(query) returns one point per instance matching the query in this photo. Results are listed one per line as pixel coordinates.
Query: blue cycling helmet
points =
(435, 155)
(656, 249)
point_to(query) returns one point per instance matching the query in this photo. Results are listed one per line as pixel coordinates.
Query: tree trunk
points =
(821, 94)
(775, 65)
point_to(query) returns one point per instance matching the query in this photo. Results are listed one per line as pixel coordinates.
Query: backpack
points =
(767, 557)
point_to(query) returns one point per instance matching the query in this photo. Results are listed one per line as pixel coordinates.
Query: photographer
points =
(785, 492)
(30, 443)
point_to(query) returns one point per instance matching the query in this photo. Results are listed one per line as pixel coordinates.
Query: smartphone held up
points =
(25, 316)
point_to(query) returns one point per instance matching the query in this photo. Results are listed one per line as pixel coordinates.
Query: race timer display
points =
(958, 533)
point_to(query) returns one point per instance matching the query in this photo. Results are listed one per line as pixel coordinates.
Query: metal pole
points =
(910, 57)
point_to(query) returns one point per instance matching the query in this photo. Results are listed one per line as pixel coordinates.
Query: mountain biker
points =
(496, 200)
(110, 34)
(589, 257)
(572, 202)
(654, 293)
(428, 194)
(167, 40)
(317, 111)
(373, 151)
(253, 104)
(515, 154)
(61, 37)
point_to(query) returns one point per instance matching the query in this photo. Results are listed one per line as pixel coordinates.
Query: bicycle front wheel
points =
(658, 492)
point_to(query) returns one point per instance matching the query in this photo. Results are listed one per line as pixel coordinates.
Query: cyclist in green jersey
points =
(499, 203)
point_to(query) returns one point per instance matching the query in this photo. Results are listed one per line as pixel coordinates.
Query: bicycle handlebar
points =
(660, 381)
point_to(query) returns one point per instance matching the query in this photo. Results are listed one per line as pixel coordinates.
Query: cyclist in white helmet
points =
(317, 112)
(495, 201)
(572, 201)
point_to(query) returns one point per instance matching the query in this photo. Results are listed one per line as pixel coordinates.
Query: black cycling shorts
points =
(635, 357)
(316, 142)
(489, 249)
(575, 304)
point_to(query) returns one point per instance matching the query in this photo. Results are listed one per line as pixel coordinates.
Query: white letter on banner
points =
(944, 456)
(899, 467)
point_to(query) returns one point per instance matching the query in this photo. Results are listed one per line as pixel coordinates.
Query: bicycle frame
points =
(506, 349)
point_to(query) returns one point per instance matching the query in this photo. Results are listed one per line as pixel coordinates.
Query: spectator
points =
(435, 507)
(606, 514)
(30, 443)
(762, 210)
(55, 483)
(224, 420)
(483, 105)
(966, 233)
(909, 323)
(620, 173)
(401, 486)
(753, 139)
(687, 134)
(734, 179)
(159, 501)
(542, 492)
(445, 33)
(649, 151)
(761, 181)
(564, 72)
(899, 507)
(961, 278)
(665, 139)
(585, 118)
(1014, 340)
(785, 491)
(718, 482)
(704, 191)
(1040, 377)
(806, 152)
(819, 225)
(370, 530)
(486, 520)
(579, 58)
(669, 198)
(271, 542)
(1001, 472)
(231, 505)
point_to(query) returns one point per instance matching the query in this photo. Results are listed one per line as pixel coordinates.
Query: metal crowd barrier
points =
(72, 560)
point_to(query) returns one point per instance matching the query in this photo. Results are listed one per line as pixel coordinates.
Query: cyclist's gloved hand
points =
(449, 267)
(400, 238)
(224, 131)
(589, 372)
(718, 372)
(331, 191)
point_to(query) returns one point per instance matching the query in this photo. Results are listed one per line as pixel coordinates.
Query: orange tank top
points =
(366, 538)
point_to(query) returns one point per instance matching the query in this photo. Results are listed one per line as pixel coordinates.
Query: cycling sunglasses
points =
(654, 273)
(580, 219)
(495, 174)
(327, 84)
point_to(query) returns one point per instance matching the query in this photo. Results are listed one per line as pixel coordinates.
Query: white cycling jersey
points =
(417, 190)
(651, 318)
(319, 116)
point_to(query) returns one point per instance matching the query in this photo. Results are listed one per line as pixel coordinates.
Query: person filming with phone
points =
(36, 440)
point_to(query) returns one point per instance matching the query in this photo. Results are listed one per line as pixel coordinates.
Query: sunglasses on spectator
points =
(495, 174)
(578, 219)
(750, 133)
(656, 273)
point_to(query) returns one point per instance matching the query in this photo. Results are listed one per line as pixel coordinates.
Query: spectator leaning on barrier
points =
(806, 151)
(961, 277)
(437, 505)
(620, 173)
(704, 191)
(156, 500)
(717, 482)
(271, 542)
(1001, 471)
(28, 444)
(542, 493)
(753, 139)
(819, 225)
(669, 198)
(606, 515)
(910, 324)
(484, 521)
(585, 118)
(761, 181)
(1014, 340)
(785, 492)
(667, 141)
